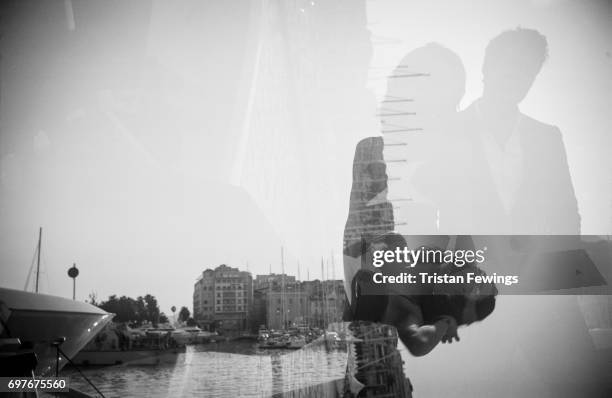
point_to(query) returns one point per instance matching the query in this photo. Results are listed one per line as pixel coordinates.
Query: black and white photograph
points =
(306, 198)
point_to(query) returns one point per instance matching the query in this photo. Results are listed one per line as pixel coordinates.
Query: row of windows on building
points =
(227, 277)
(230, 301)
(226, 287)
(291, 300)
(220, 309)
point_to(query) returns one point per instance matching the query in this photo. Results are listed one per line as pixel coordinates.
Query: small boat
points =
(274, 343)
(263, 334)
(296, 342)
(192, 335)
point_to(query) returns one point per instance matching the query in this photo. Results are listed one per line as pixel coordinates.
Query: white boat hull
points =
(39, 319)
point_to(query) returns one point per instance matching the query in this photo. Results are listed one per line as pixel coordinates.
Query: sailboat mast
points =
(269, 318)
(333, 292)
(299, 295)
(323, 302)
(308, 308)
(38, 256)
(283, 288)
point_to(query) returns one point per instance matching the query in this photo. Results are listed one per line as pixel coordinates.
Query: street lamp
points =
(73, 272)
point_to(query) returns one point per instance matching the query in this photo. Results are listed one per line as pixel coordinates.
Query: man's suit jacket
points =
(469, 201)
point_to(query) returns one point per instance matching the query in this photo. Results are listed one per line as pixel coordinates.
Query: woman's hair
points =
(438, 61)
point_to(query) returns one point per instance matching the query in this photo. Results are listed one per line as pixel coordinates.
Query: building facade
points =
(326, 301)
(228, 299)
(223, 298)
(286, 309)
(308, 303)
(274, 281)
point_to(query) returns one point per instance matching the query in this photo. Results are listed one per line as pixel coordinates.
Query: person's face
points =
(507, 80)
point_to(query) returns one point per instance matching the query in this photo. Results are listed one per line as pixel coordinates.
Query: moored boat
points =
(272, 343)
(192, 335)
(38, 320)
(118, 344)
(135, 357)
(296, 342)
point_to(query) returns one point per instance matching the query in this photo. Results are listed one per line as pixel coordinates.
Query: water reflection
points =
(228, 369)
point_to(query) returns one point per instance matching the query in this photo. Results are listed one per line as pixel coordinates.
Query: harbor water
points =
(229, 369)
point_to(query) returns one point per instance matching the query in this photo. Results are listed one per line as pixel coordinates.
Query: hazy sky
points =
(573, 91)
(127, 165)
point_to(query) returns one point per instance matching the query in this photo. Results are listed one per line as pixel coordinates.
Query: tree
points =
(151, 308)
(123, 307)
(141, 310)
(93, 299)
(184, 314)
(126, 309)
(191, 322)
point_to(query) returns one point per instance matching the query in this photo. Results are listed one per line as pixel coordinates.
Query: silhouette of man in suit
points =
(514, 171)
(512, 178)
